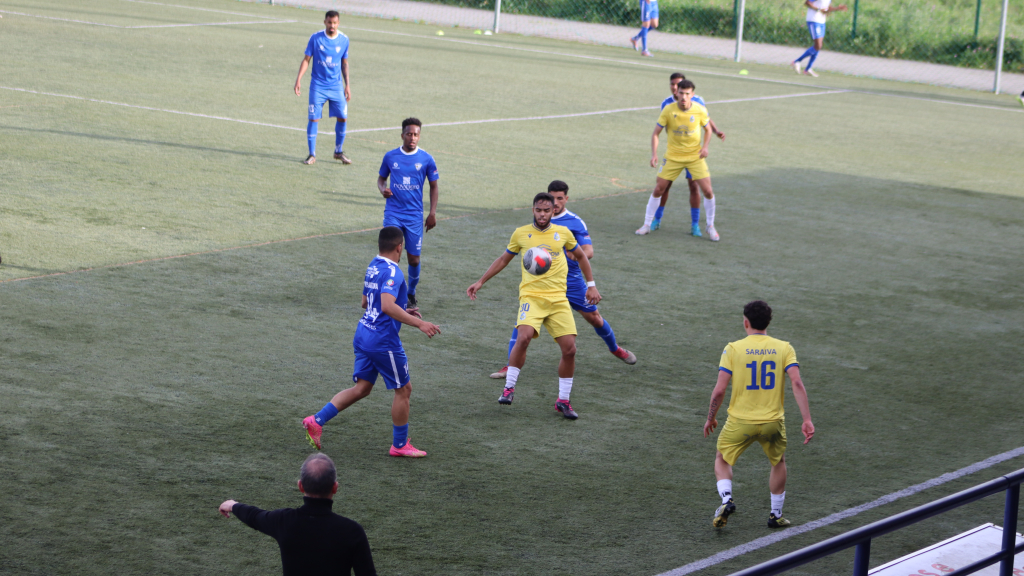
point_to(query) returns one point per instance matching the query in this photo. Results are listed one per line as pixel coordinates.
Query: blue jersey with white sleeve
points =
(376, 330)
(672, 99)
(579, 229)
(408, 172)
(327, 54)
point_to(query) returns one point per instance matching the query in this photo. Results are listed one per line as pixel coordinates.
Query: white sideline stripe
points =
(833, 518)
(459, 123)
(150, 26)
(204, 9)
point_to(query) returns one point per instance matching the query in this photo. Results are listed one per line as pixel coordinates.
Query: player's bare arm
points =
(382, 187)
(707, 141)
(593, 296)
(432, 215)
(365, 302)
(800, 393)
(654, 146)
(391, 308)
(715, 130)
(497, 266)
(344, 76)
(588, 249)
(302, 70)
(717, 397)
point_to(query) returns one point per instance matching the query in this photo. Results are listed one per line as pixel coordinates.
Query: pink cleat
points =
(625, 355)
(500, 374)
(409, 451)
(313, 431)
(635, 43)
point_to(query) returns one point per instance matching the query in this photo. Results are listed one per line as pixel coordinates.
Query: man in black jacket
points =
(313, 539)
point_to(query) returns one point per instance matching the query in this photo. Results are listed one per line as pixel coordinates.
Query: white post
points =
(739, 29)
(999, 49)
(497, 14)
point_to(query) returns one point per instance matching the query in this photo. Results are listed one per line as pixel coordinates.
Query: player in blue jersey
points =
(817, 13)
(328, 83)
(648, 20)
(576, 284)
(378, 348)
(408, 168)
(674, 81)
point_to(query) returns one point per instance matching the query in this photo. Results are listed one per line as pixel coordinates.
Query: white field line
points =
(149, 26)
(459, 123)
(204, 9)
(849, 512)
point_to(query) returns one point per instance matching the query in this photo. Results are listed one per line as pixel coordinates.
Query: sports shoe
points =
(655, 224)
(811, 73)
(565, 408)
(341, 156)
(722, 514)
(507, 394)
(636, 44)
(411, 303)
(777, 521)
(695, 230)
(409, 451)
(796, 66)
(500, 374)
(643, 230)
(313, 431)
(309, 160)
(647, 53)
(625, 355)
(713, 234)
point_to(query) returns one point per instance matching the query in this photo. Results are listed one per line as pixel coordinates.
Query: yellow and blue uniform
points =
(542, 299)
(758, 365)
(684, 141)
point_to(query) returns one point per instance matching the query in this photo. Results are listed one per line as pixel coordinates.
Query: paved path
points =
(884, 68)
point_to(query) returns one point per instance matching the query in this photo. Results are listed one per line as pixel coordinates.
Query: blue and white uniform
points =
(816, 20)
(648, 10)
(377, 346)
(672, 100)
(409, 171)
(576, 284)
(326, 83)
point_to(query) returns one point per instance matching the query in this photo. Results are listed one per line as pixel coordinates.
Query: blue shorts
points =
(817, 30)
(392, 365)
(576, 292)
(413, 233)
(317, 98)
(648, 10)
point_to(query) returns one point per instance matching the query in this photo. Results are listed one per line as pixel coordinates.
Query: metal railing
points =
(861, 537)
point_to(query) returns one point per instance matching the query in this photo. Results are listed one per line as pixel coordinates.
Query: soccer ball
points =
(537, 261)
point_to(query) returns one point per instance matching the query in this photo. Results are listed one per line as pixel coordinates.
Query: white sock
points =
(652, 208)
(725, 490)
(777, 501)
(564, 388)
(511, 376)
(709, 211)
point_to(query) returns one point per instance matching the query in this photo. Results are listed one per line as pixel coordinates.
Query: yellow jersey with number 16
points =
(758, 365)
(553, 239)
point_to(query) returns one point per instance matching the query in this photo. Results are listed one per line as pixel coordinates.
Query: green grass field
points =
(139, 389)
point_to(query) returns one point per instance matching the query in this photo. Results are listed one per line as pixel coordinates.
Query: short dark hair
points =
(558, 186)
(390, 237)
(411, 122)
(331, 14)
(759, 313)
(543, 197)
(318, 475)
(686, 84)
(676, 76)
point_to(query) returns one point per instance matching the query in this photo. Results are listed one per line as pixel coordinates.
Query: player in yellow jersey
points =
(758, 366)
(683, 121)
(542, 298)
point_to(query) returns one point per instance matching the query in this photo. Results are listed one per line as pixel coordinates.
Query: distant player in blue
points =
(576, 284)
(817, 13)
(328, 51)
(648, 20)
(408, 168)
(673, 81)
(378, 349)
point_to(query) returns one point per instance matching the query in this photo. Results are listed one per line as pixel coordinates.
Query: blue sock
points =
(606, 334)
(325, 414)
(659, 213)
(311, 137)
(401, 435)
(512, 341)
(414, 279)
(339, 136)
(694, 215)
(810, 62)
(809, 52)
(643, 37)
(638, 34)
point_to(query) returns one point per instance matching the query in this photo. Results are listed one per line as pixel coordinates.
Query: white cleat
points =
(644, 230)
(500, 374)
(796, 66)
(713, 234)
(811, 73)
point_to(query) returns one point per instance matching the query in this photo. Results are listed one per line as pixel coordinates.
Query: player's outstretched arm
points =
(432, 215)
(800, 393)
(593, 296)
(225, 508)
(654, 146)
(497, 266)
(717, 397)
(382, 187)
(389, 307)
(302, 70)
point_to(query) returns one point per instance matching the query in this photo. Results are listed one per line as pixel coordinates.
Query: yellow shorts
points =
(671, 169)
(736, 437)
(556, 316)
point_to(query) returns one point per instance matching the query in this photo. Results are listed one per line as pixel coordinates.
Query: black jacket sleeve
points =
(362, 560)
(268, 522)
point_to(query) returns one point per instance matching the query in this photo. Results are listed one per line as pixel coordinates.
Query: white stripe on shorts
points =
(394, 368)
